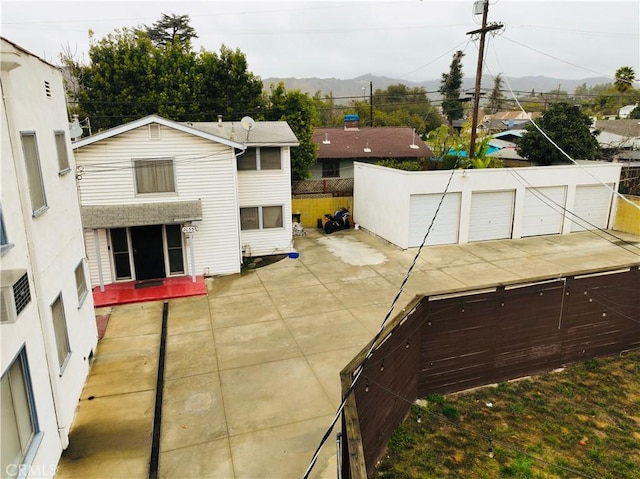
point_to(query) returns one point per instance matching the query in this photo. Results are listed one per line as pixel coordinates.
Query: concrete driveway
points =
(252, 369)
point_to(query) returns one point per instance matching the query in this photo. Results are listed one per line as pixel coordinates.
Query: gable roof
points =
(264, 133)
(110, 133)
(627, 128)
(384, 142)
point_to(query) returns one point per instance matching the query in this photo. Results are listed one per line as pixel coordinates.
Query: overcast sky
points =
(410, 40)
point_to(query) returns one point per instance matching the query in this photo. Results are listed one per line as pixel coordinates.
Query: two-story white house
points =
(47, 328)
(161, 198)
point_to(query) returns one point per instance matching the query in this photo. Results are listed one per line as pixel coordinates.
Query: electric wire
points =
(360, 371)
(634, 205)
(562, 209)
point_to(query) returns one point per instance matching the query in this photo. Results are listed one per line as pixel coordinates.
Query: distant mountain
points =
(346, 90)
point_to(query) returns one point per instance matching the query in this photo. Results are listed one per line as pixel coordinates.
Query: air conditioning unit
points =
(15, 294)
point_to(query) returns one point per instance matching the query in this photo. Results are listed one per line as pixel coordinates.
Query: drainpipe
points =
(96, 241)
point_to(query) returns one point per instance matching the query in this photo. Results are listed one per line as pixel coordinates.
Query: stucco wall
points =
(628, 216)
(382, 195)
(313, 209)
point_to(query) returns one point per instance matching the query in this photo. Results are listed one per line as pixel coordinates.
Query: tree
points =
(569, 128)
(635, 113)
(450, 85)
(171, 28)
(496, 98)
(625, 76)
(129, 77)
(299, 111)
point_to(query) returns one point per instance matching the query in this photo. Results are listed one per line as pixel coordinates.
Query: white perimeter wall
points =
(382, 195)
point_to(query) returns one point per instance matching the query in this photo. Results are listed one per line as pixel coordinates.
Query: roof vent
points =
(367, 149)
(326, 140)
(220, 121)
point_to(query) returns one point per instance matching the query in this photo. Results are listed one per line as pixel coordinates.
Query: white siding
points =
(204, 170)
(592, 204)
(491, 215)
(267, 188)
(543, 210)
(92, 257)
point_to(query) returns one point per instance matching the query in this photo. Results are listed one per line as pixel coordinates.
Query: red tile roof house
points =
(340, 147)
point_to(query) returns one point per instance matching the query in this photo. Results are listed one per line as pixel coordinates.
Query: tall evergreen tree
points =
(129, 77)
(450, 85)
(169, 29)
(496, 98)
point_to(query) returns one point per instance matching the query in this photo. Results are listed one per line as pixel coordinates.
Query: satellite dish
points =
(75, 130)
(248, 123)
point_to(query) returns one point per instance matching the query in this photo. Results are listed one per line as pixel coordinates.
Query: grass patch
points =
(582, 422)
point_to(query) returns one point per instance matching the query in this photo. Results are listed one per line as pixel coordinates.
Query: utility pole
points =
(371, 103)
(476, 96)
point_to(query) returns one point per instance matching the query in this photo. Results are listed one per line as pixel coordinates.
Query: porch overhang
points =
(142, 214)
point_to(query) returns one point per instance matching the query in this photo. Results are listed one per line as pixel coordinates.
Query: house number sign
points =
(189, 229)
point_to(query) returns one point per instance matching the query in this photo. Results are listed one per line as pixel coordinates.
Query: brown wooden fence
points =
(333, 186)
(457, 341)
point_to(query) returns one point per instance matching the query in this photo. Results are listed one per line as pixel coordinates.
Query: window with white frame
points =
(60, 331)
(261, 158)
(81, 283)
(154, 175)
(34, 172)
(63, 154)
(260, 217)
(20, 431)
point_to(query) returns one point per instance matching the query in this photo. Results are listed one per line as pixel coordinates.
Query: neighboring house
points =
(338, 148)
(484, 204)
(48, 328)
(626, 110)
(507, 120)
(620, 137)
(143, 182)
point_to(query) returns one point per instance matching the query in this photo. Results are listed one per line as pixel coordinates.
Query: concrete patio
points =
(252, 368)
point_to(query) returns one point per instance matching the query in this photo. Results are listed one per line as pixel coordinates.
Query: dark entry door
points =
(148, 252)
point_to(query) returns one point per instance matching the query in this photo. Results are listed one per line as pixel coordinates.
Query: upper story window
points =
(154, 176)
(260, 158)
(34, 173)
(63, 154)
(21, 434)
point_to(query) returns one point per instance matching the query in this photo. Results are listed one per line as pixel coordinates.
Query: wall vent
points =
(15, 294)
(154, 131)
(47, 89)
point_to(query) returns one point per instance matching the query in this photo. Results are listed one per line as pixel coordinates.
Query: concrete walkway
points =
(252, 369)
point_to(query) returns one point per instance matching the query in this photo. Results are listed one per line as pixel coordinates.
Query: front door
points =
(148, 252)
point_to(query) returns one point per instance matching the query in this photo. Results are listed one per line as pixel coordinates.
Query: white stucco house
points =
(484, 204)
(47, 328)
(161, 198)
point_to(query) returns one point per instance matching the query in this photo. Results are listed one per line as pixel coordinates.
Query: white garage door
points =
(592, 204)
(543, 210)
(491, 215)
(445, 227)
